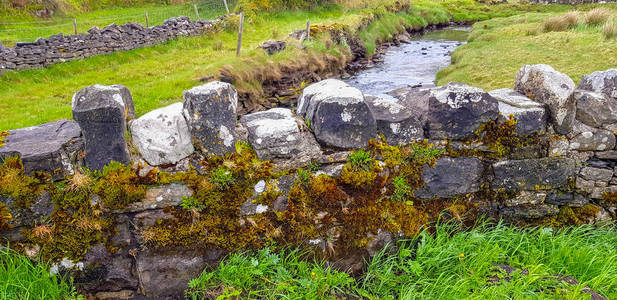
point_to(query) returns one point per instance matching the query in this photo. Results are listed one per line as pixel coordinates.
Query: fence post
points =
(74, 26)
(196, 11)
(147, 21)
(226, 7)
(308, 30)
(240, 29)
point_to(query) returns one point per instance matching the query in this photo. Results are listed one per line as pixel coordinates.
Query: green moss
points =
(5, 217)
(118, 185)
(19, 186)
(3, 136)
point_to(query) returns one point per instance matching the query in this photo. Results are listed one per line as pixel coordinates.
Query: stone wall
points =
(61, 48)
(571, 2)
(541, 153)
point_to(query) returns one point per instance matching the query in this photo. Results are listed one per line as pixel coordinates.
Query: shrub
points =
(597, 16)
(609, 30)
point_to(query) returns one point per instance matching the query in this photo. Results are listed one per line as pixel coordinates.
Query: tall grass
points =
(609, 30)
(20, 278)
(561, 23)
(598, 16)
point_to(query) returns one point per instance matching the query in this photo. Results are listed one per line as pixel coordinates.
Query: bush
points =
(20, 278)
(609, 30)
(597, 16)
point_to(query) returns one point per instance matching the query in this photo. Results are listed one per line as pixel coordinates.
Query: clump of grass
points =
(268, 275)
(562, 23)
(609, 30)
(402, 190)
(360, 160)
(597, 16)
(20, 278)
(222, 178)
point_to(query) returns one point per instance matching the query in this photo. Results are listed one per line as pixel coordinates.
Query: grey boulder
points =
(533, 174)
(399, 124)
(451, 177)
(102, 112)
(595, 109)
(51, 148)
(210, 111)
(529, 115)
(162, 136)
(604, 82)
(275, 134)
(545, 85)
(337, 114)
(593, 140)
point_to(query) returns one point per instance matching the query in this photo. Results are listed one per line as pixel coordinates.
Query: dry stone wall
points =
(544, 151)
(61, 48)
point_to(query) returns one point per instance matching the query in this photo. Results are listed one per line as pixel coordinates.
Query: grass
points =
(20, 278)
(449, 263)
(499, 47)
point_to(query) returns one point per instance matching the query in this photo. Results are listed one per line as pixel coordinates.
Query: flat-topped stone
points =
(399, 124)
(49, 148)
(529, 115)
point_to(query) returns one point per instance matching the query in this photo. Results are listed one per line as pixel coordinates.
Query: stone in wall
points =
(604, 82)
(276, 134)
(162, 136)
(454, 111)
(545, 85)
(595, 109)
(399, 124)
(529, 115)
(51, 148)
(566, 199)
(586, 138)
(337, 114)
(450, 177)
(38, 210)
(533, 174)
(210, 111)
(102, 112)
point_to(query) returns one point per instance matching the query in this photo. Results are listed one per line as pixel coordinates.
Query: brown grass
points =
(609, 30)
(597, 16)
(562, 23)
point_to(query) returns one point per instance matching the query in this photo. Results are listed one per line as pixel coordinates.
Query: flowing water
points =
(416, 63)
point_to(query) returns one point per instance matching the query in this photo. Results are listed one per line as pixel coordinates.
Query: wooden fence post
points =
(74, 26)
(226, 7)
(308, 30)
(240, 29)
(196, 11)
(147, 21)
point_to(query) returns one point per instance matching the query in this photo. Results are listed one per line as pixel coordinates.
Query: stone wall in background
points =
(543, 152)
(61, 48)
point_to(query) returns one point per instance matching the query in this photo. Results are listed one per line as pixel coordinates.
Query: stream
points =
(409, 64)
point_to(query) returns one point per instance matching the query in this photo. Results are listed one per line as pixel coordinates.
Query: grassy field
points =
(448, 264)
(157, 75)
(497, 48)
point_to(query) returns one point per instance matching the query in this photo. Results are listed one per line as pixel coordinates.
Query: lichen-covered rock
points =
(210, 111)
(273, 46)
(276, 134)
(600, 82)
(454, 111)
(566, 199)
(593, 140)
(166, 275)
(533, 174)
(106, 272)
(337, 114)
(160, 197)
(545, 85)
(38, 210)
(530, 212)
(526, 198)
(399, 124)
(281, 185)
(162, 136)
(51, 148)
(595, 109)
(596, 174)
(102, 112)
(529, 115)
(450, 177)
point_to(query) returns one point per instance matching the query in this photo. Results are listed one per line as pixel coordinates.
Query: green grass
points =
(20, 278)
(498, 48)
(450, 263)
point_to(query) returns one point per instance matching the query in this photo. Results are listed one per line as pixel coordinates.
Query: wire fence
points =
(12, 32)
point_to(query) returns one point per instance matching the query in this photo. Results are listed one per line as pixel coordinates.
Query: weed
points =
(222, 178)
(190, 203)
(360, 160)
(402, 191)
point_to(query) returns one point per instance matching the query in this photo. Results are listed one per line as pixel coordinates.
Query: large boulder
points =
(275, 134)
(399, 124)
(210, 111)
(337, 114)
(545, 85)
(51, 148)
(595, 109)
(529, 115)
(533, 174)
(162, 136)
(102, 112)
(604, 82)
(454, 111)
(450, 177)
